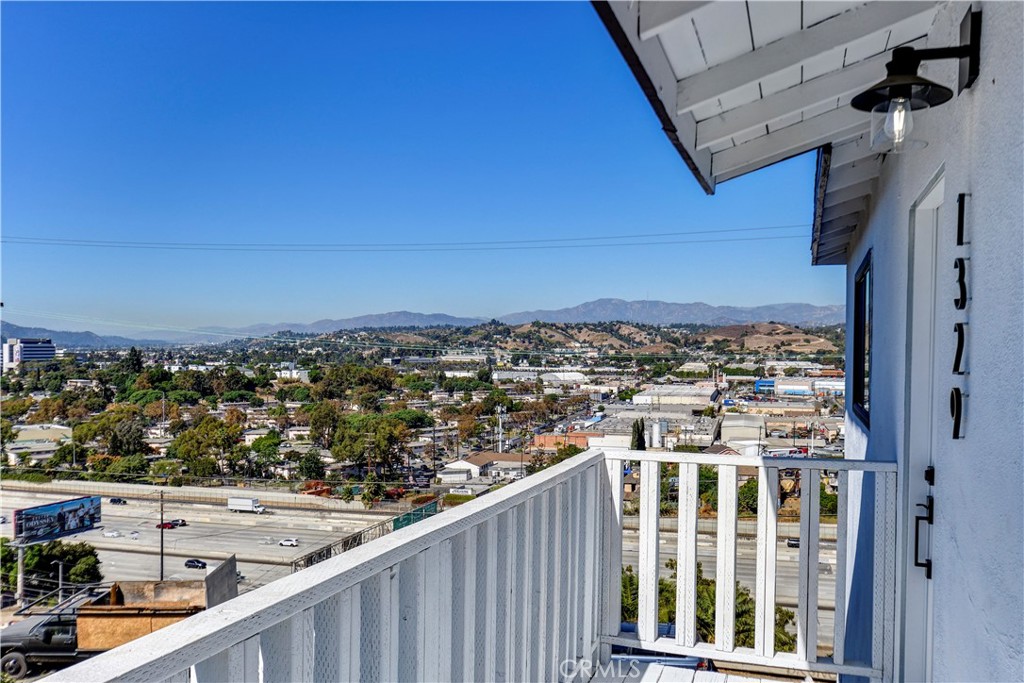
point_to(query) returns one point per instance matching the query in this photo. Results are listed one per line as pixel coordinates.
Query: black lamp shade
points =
(921, 92)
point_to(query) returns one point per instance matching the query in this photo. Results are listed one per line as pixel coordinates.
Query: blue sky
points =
(352, 123)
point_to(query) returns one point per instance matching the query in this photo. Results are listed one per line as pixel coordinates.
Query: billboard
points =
(54, 520)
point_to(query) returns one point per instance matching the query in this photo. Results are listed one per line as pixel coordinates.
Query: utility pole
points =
(161, 535)
(60, 579)
(501, 429)
(21, 575)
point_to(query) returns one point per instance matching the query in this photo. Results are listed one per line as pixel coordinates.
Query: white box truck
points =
(246, 505)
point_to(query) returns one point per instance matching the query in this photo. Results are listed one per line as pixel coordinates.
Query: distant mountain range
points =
(65, 339)
(601, 310)
(664, 313)
(393, 319)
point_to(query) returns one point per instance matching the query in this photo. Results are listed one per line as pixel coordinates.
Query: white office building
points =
(18, 351)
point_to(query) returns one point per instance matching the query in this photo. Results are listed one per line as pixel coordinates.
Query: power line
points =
(587, 242)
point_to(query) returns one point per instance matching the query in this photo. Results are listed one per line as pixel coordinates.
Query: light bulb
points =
(899, 121)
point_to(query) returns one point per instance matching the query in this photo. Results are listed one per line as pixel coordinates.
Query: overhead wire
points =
(583, 241)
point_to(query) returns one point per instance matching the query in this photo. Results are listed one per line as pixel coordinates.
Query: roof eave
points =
(618, 35)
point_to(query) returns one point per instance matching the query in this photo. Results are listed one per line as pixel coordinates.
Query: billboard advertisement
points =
(54, 520)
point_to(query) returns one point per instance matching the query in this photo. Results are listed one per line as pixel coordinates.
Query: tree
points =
(127, 438)
(705, 617)
(323, 423)
(133, 361)
(8, 434)
(707, 486)
(536, 464)
(311, 466)
(747, 497)
(565, 452)
(829, 502)
(373, 491)
(81, 563)
(638, 442)
(234, 416)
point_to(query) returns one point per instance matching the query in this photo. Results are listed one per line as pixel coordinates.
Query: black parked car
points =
(194, 564)
(118, 501)
(44, 639)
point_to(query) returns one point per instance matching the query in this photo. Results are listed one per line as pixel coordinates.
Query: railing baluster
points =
(244, 661)
(410, 586)
(522, 591)
(686, 555)
(287, 649)
(327, 634)
(499, 587)
(469, 612)
(878, 576)
(350, 627)
(807, 606)
(647, 602)
(571, 570)
(428, 619)
(444, 613)
(839, 632)
(551, 544)
(508, 532)
(390, 639)
(888, 622)
(590, 555)
(492, 601)
(725, 582)
(213, 669)
(487, 596)
(559, 575)
(611, 534)
(458, 597)
(767, 532)
(539, 614)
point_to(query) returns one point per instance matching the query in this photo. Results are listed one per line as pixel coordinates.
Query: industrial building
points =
(694, 396)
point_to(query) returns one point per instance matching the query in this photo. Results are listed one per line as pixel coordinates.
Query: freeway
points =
(212, 534)
(787, 566)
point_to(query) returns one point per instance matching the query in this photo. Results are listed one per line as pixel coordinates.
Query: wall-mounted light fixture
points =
(893, 101)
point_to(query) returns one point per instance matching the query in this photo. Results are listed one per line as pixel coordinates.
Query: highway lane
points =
(787, 569)
(212, 534)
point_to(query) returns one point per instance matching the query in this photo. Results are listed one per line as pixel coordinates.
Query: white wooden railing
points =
(521, 584)
(879, 475)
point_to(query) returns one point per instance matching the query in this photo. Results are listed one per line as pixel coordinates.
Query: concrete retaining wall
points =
(210, 496)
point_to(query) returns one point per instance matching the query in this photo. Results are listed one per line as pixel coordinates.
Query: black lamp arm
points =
(930, 54)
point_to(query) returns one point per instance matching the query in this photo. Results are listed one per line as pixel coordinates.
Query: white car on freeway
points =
(289, 542)
(113, 533)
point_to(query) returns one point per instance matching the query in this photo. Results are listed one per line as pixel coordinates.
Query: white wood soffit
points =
(742, 85)
(794, 49)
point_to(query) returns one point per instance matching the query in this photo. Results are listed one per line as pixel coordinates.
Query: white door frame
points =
(915, 602)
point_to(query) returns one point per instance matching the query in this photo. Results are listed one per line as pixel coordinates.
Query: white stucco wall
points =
(978, 536)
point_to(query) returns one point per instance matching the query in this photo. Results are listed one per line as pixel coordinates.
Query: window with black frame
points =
(861, 370)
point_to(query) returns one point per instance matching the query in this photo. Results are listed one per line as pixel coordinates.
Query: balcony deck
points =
(524, 583)
(659, 673)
